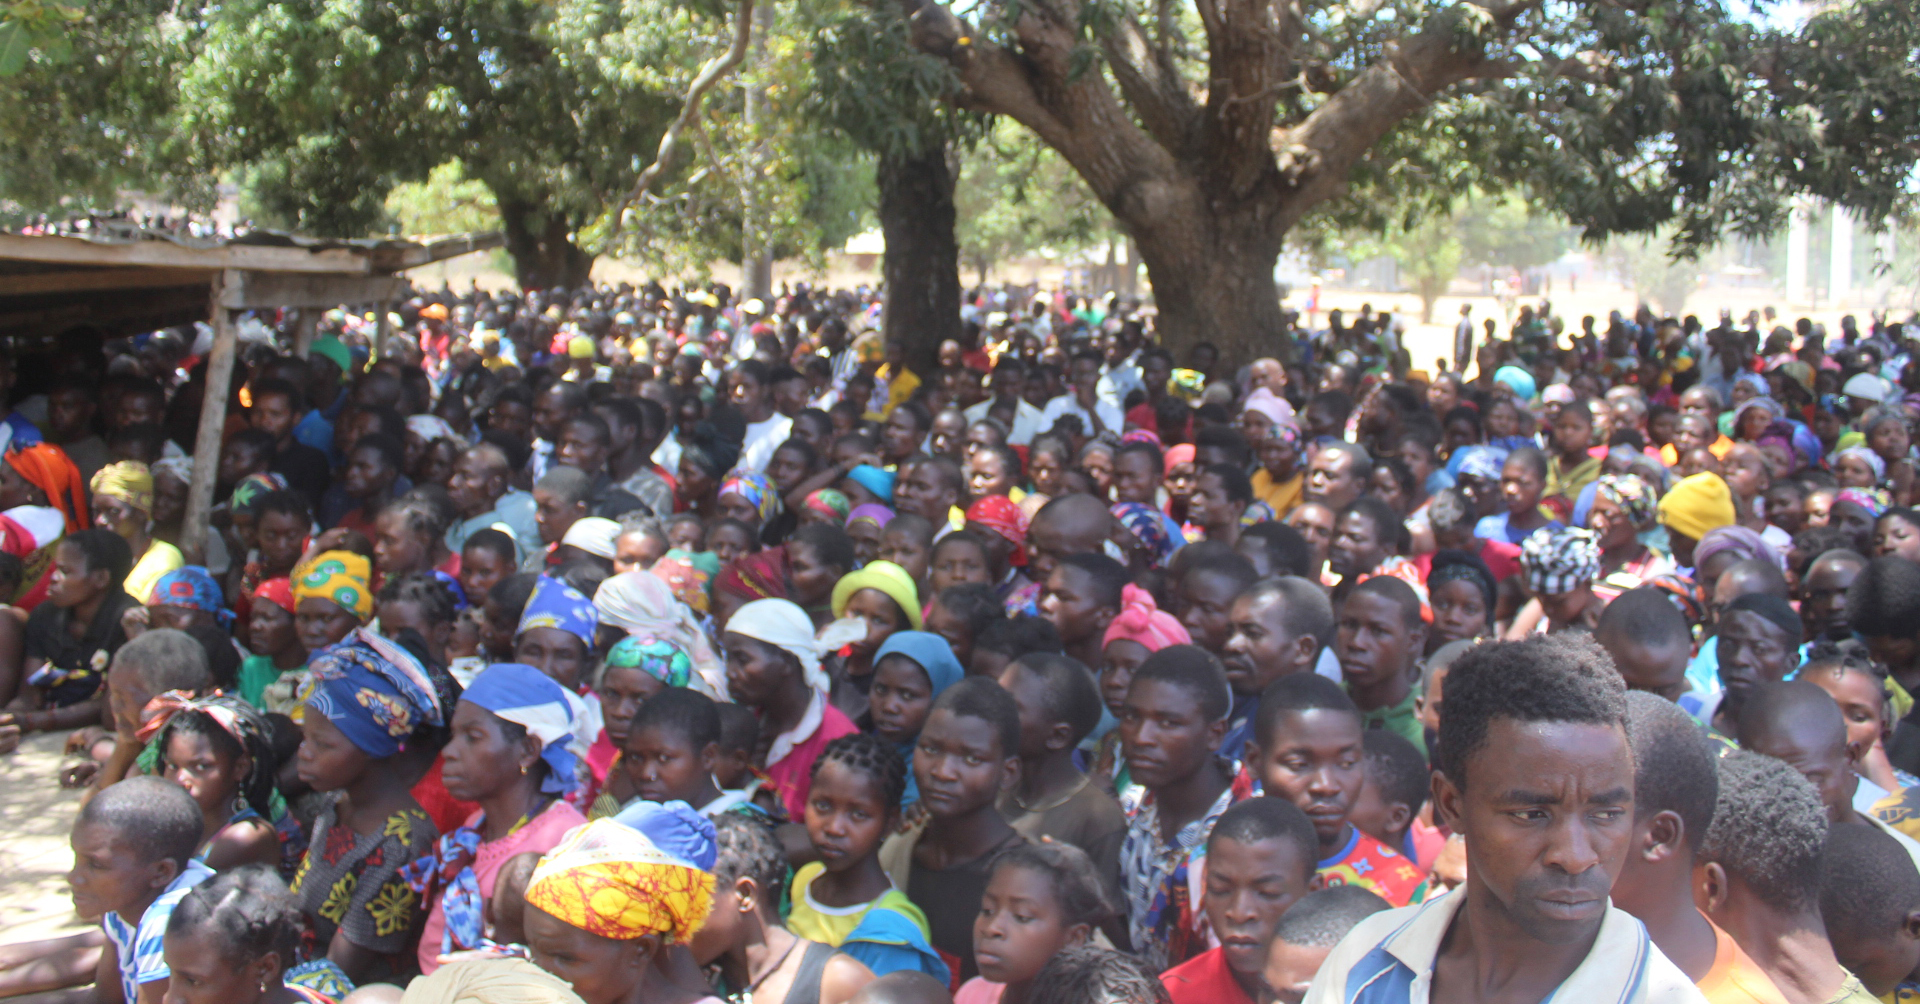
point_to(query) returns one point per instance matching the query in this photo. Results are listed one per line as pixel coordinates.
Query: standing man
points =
(1463, 339)
(1083, 399)
(482, 490)
(552, 410)
(1535, 771)
(1008, 377)
(750, 388)
(1279, 627)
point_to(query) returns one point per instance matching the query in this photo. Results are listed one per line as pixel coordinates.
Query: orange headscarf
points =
(47, 468)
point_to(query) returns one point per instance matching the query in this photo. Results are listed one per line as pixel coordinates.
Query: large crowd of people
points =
(651, 646)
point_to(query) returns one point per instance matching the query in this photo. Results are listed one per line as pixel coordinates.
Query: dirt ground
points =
(35, 815)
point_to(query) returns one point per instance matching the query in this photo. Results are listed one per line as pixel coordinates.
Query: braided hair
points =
(248, 909)
(254, 741)
(747, 846)
(867, 754)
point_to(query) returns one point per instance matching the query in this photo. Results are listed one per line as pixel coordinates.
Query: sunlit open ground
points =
(35, 815)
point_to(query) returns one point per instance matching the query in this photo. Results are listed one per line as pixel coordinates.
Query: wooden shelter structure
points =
(119, 279)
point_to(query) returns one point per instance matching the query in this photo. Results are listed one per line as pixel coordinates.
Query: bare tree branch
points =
(1151, 84)
(711, 74)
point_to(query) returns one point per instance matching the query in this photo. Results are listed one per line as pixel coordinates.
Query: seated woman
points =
(556, 634)
(221, 751)
(881, 599)
(643, 603)
(773, 667)
(513, 753)
(42, 499)
(604, 908)
(369, 699)
(278, 653)
(123, 503)
(71, 638)
(752, 498)
(331, 600)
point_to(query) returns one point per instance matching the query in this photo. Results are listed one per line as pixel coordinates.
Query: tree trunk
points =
(1212, 278)
(922, 268)
(543, 256)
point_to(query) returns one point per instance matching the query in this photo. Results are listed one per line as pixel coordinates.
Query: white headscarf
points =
(783, 624)
(638, 602)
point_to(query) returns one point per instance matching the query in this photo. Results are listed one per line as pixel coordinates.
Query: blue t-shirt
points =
(1496, 527)
(140, 949)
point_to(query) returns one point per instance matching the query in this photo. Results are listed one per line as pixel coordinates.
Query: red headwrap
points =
(47, 468)
(759, 576)
(278, 592)
(999, 514)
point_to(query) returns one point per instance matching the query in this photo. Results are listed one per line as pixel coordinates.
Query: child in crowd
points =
(910, 671)
(963, 613)
(959, 558)
(1040, 900)
(907, 541)
(845, 899)
(1260, 859)
(733, 768)
(967, 755)
(1870, 903)
(1395, 791)
(745, 937)
(671, 750)
(233, 939)
(1054, 799)
(882, 599)
(220, 751)
(1009, 638)
(133, 848)
(1309, 748)
(1306, 934)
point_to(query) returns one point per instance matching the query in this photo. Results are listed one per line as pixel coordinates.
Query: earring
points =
(523, 769)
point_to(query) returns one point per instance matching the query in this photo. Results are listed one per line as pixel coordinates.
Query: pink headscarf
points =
(1268, 403)
(1141, 621)
(1181, 454)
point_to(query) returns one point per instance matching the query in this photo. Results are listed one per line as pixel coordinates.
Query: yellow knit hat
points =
(885, 576)
(1697, 504)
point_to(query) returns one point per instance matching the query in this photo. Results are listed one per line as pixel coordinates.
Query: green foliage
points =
(1015, 196)
(86, 97)
(1653, 274)
(869, 84)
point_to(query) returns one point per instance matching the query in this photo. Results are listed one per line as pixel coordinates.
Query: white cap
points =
(1866, 387)
(594, 535)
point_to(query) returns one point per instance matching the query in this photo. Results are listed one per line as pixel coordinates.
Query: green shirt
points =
(1402, 718)
(256, 671)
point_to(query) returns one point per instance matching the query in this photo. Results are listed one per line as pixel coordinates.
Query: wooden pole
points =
(305, 320)
(382, 326)
(213, 421)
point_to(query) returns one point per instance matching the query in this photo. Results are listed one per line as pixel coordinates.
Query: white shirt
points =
(1066, 404)
(1028, 421)
(1388, 959)
(762, 439)
(1119, 381)
(667, 454)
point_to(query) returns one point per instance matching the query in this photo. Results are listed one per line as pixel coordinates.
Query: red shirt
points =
(446, 811)
(792, 775)
(1204, 979)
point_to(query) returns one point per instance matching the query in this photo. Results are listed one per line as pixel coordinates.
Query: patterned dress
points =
(350, 882)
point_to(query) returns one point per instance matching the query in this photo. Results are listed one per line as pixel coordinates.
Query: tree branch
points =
(1150, 83)
(1079, 117)
(710, 75)
(1316, 155)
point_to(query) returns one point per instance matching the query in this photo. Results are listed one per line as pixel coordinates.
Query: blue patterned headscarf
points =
(375, 692)
(554, 604)
(1157, 531)
(193, 588)
(675, 828)
(661, 659)
(530, 699)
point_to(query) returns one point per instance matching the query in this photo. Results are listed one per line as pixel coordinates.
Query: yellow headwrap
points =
(607, 878)
(129, 481)
(1697, 504)
(337, 576)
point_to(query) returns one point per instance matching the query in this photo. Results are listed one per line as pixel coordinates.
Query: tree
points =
(871, 86)
(1015, 196)
(1211, 131)
(1654, 275)
(327, 106)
